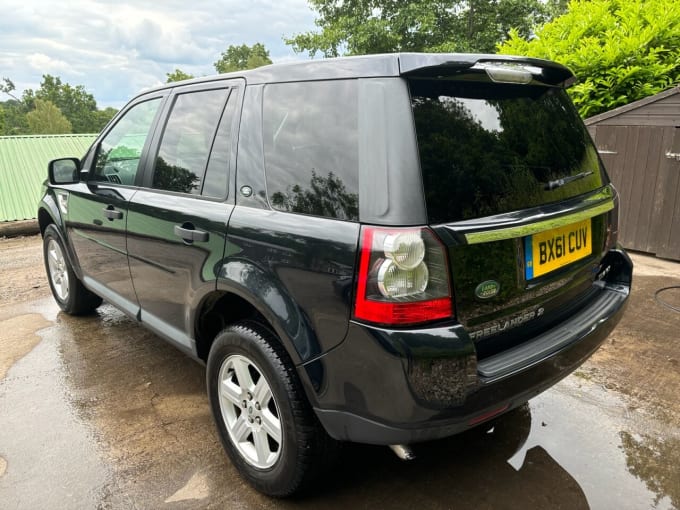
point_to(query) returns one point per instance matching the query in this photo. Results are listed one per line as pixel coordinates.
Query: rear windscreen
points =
(488, 148)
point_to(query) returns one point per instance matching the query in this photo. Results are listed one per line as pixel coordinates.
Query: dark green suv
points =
(384, 249)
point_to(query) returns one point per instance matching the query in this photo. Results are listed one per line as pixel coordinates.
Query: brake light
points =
(403, 277)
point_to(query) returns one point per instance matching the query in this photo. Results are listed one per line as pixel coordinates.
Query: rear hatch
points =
(515, 188)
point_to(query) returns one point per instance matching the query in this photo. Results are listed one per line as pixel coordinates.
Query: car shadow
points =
(470, 470)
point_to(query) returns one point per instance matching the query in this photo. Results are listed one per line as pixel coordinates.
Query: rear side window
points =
(217, 174)
(490, 148)
(311, 148)
(187, 140)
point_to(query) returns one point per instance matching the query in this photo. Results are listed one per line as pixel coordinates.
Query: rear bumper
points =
(404, 386)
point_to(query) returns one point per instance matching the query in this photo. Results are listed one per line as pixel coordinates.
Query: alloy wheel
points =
(249, 411)
(58, 270)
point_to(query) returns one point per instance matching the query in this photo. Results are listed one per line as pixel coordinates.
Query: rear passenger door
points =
(177, 221)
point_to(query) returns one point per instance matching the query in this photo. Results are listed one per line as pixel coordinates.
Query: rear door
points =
(178, 219)
(514, 186)
(97, 208)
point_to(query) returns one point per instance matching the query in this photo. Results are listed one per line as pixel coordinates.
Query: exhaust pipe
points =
(403, 451)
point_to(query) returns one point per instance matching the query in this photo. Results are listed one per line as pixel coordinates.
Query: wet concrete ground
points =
(96, 412)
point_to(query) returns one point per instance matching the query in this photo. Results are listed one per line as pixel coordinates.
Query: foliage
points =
(14, 118)
(358, 27)
(102, 117)
(8, 87)
(238, 58)
(177, 75)
(12, 112)
(621, 50)
(47, 119)
(75, 104)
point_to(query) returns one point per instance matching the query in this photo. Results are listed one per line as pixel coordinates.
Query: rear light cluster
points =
(403, 277)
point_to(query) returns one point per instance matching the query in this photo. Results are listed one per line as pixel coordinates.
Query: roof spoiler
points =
(449, 64)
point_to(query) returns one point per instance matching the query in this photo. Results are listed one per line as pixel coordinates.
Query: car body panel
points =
(300, 268)
(100, 242)
(171, 274)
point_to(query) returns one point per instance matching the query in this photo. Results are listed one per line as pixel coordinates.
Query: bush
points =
(621, 50)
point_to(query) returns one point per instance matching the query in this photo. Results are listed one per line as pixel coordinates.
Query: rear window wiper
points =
(558, 183)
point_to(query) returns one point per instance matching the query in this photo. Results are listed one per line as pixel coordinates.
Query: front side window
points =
(188, 137)
(311, 148)
(120, 151)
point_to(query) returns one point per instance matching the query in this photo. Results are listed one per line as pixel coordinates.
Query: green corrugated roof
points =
(23, 168)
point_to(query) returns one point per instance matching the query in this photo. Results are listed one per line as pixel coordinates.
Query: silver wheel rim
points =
(58, 271)
(249, 411)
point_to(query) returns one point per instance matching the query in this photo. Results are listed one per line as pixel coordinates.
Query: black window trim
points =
(236, 87)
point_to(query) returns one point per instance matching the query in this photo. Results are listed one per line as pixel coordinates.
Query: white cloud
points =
(47, 65)
(114, 48)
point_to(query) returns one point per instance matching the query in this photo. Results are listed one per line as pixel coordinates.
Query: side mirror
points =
(64, 171)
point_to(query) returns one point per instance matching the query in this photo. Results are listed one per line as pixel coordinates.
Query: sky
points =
(115, 48)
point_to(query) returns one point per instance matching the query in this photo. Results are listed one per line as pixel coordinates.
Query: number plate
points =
(552, 249)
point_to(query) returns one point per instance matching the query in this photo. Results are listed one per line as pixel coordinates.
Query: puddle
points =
(584, 427)
(50, 456)
(102, 413)
(18, 337)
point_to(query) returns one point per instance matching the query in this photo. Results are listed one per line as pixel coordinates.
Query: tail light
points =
(403, 277)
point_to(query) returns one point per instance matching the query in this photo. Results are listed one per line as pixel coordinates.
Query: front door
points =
(98, 208)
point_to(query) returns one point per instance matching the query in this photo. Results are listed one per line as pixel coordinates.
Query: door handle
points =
(112, 213)
(189, 234)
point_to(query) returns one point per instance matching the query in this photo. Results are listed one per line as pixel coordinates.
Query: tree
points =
(620, 50)
(102, 117)
(14, 111)
(238, 58)
(77, 105)
(8, 87)
(177, 75)
(47, 119)
(358, 27)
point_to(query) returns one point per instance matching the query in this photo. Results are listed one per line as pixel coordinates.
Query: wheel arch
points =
(232, 302)
(216, 311)
(229, 304)
(48, 212)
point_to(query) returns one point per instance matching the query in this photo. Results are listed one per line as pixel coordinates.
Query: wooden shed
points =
(640, 146)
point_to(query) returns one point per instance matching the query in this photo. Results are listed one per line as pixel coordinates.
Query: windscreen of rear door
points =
(488, 148)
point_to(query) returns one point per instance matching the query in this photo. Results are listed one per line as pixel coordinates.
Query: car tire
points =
(263, 418)
(68, 291)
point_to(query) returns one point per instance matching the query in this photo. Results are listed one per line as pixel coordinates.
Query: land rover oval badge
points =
(487, 289)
